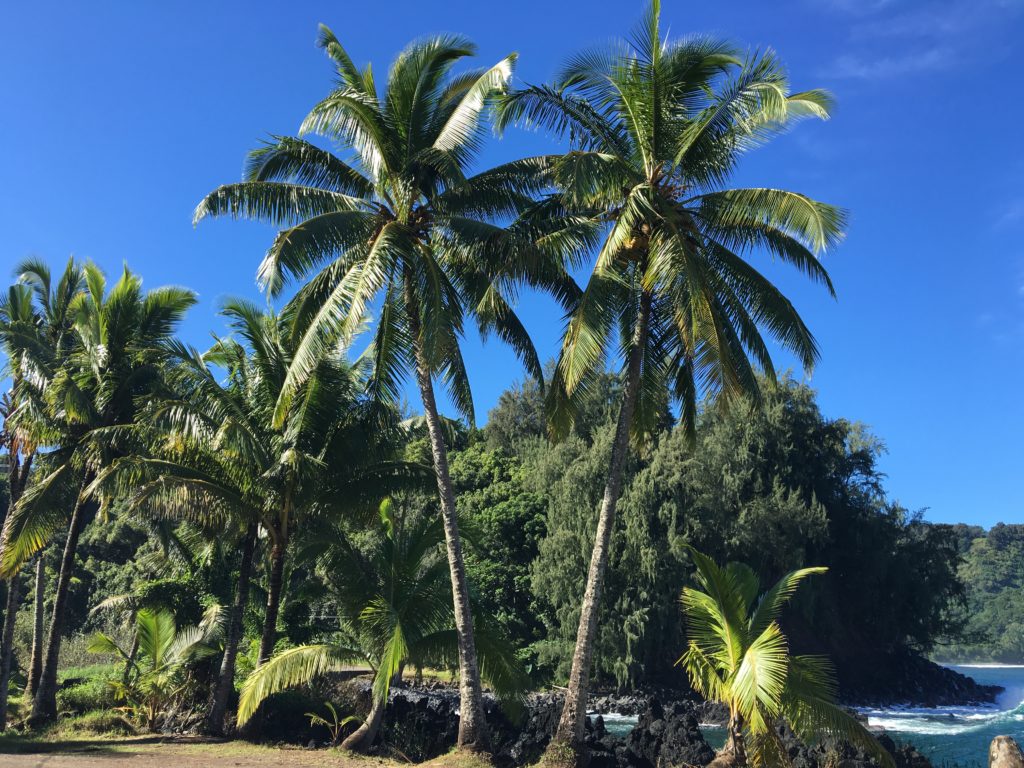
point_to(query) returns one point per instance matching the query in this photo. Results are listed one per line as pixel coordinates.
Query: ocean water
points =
(960, 735)
(948, 736)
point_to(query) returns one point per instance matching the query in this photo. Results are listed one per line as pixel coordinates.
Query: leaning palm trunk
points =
(7, 645)
(35, 668)
(567, 744)
(363, 736)
(226, 680)
(44, 703)
(277, 552)
(473, 733)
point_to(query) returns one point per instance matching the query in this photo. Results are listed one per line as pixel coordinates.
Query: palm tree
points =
(394, 610)
(656, 129)
(159, 653)
(403, 224)
(44, 346)
(217, 459)
(738, 656)
(35, 325)
(117, 357)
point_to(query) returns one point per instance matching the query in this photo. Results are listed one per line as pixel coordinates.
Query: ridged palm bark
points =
(656, 129)
(35, 667)
(226, 677)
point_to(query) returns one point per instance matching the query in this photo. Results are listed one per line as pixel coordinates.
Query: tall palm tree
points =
(117, 359)
(738, 656)
(656, 128)
(45, 348)
(35, 331)
(217, 459)
(394, 610)
(402, 224)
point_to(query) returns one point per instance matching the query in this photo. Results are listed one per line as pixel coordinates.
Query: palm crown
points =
(87, 389)
(656, 128)
(403, 221)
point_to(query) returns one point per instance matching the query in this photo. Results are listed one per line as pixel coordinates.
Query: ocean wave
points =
(952, 721)
(987, 665)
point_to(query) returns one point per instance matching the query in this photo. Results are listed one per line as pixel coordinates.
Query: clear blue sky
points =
(118, 117)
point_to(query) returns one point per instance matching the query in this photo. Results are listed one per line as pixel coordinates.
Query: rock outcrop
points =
(1004, 752)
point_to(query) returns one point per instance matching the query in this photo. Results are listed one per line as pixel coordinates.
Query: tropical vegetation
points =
(230, 530)
(738, 656)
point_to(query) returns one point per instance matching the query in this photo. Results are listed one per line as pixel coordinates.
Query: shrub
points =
(89, 690)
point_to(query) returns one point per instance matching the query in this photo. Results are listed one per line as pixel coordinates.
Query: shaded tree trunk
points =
(734, 753)
(18, 472)
(226, 679)
(277, 555)
(7, 644)
(362, 738)
(567, 745)
(129, 665)
(44, 704)
(35, 667)
(473, 734)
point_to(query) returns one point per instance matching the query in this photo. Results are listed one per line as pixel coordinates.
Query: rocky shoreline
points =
(422, 723)
(918, 682)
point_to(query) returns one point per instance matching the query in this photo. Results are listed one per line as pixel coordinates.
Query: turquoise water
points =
(946, 735)
(960, 735)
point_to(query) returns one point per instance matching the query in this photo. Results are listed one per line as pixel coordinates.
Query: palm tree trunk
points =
(277, 553)
(567, 745)
(35, 667)
(129, 664)
(362, 738)
(473, 734)
(734, 753)
(7, 645)
(18, 472)
(226, 680)
(44, 703)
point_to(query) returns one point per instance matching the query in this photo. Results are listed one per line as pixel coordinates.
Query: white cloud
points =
(933, 35)
(864, 67)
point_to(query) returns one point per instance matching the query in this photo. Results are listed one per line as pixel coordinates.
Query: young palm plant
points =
(405, 226)
(394, 610)
(738, 656)
(215, 457)
(115, 360)
(656, 128)
(155, 664)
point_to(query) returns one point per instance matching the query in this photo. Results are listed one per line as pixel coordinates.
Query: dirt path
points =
(179, 753)
(183, 752)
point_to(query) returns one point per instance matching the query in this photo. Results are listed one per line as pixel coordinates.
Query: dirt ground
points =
(150, 752)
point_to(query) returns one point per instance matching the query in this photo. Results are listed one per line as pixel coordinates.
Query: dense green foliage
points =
(777, 488)
(993, 575)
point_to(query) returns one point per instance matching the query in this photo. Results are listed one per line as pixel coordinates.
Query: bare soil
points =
(184, 752)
